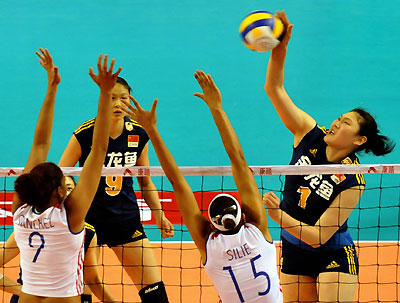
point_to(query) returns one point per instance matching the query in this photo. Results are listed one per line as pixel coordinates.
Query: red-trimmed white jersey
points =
(51, 255)
(243, 267)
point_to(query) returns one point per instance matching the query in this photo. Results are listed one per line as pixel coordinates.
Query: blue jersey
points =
(115, 198)
(307, 197)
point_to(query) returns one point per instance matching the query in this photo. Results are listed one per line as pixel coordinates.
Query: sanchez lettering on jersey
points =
(43, 223)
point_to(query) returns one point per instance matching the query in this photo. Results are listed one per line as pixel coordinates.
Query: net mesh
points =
(374, 225)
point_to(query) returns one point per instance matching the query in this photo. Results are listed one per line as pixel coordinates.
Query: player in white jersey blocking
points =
(48, 225)
(238, 253)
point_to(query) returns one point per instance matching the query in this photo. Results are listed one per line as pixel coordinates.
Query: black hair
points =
(36, 188)
(376, 143)
(124, 83)
(224, 205)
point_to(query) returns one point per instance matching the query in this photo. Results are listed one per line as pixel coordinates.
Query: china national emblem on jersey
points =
(133, 140)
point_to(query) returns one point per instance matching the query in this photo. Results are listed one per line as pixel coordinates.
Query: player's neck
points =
(335, 155)
(117, 127)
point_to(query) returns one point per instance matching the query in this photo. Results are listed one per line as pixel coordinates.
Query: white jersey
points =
(51, 255)
(243, 266)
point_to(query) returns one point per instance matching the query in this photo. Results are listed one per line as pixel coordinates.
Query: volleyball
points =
(261, 31)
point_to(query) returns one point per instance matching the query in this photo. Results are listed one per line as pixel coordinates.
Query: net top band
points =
(142, 171)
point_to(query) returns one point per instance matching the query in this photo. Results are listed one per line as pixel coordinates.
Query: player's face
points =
(119, 93)
(69, 185)
(344, 131)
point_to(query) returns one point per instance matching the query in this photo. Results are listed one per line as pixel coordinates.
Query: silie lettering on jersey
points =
(238, 252)
(321, 187)
(44, 223)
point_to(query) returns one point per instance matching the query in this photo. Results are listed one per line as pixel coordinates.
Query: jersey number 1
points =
(304, 194)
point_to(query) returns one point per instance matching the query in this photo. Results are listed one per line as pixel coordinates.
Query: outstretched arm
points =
(78, 202)
(150, 195)
(251, 199)
(297, 121)
(44, 126)
(196, 223)
(329, 222)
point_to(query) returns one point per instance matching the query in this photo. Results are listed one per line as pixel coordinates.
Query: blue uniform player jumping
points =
(319, 258)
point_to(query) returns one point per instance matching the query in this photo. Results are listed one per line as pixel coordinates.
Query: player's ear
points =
(360, 140)
(61, 193)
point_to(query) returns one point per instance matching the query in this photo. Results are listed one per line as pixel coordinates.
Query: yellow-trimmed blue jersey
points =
(115, 196)
(307, 197)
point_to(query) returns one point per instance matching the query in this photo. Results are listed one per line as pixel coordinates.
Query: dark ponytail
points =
(36, 188)
(376, 143)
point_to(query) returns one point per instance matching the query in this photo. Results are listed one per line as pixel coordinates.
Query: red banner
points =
(167, 199)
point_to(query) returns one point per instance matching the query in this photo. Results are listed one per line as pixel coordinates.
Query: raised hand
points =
(145, 118)
(288, 31)
(105, 78)
(46, 60)
(211, 94)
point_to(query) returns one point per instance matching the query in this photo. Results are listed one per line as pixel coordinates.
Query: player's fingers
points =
(285, 18)
(154, 105)
(41, 58)
(111, 65)
(200, 76)
(211, 81)
(105, 63)
(128, 109)
(199, 95)
(99, 62)
(92, 74)
(203, 75)
(48, 55)
(128, 105)
(117, 72)
(135, 102)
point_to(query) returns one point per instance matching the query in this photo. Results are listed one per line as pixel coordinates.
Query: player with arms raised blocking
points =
(238, 253)
(48, 224)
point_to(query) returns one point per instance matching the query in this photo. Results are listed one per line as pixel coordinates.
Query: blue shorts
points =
(298, 261)
(117, 232)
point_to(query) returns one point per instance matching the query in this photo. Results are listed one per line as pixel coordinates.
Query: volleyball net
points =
(374, 225)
